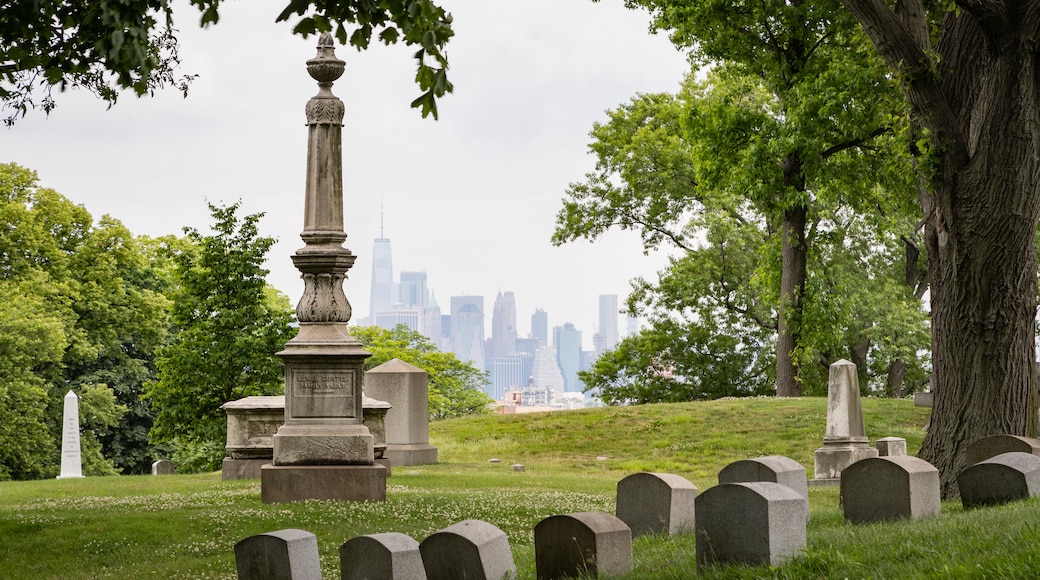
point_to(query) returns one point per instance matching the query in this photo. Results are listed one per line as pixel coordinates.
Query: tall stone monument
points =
(71, 454)
(323, 451)
(845, 441)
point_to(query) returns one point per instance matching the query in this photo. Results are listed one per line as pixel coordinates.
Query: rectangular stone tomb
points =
(889, 488)
(655, 503)
(389, 556)
(283, 555)
(592, 544)
(470, 549)
(752, 523)
(1001, 479)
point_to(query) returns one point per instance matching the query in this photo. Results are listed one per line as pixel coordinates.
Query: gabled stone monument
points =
(71, 454)
(323, 451)
(845, 441)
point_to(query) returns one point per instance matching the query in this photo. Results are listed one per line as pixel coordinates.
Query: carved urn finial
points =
(324, 107)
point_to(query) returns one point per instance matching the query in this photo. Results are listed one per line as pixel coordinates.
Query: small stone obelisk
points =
(71, 454)
(845, 441)
(323, 450)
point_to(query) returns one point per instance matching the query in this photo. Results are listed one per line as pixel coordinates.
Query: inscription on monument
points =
(323, 392)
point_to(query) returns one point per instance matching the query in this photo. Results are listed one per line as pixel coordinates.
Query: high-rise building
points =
(509, 373)
(467, 329)
(412, 289)
(503, 326)
(382, 295)
(410, 317)
(540, 327)
(567, 340)
(608, 323)
(432, 317)
(545, 373)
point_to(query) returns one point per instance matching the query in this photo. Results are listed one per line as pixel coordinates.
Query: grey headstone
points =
(751, 523)
(1006, 477)
(282, 555)
(390, 556)
(774, 468)
(654, 503)
(890, 446)
(889, 488)
(163, 467)
(470, 549)
(592, 544)
(994, 445)
(518, 467)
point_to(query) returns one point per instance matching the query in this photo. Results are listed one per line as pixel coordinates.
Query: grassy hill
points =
(185, 526)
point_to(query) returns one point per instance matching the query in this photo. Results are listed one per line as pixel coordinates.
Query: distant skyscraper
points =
(382, 296)
(467, 329)
(632, 325)
(509, 373)
(567, 340)
(412, 289)
(540, 327)
(608, 323)
(503, 326)
(410, 317)
(546, 373)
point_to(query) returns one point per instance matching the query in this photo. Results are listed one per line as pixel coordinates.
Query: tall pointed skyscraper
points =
(608, 323)
(503, 325)
(382, 296)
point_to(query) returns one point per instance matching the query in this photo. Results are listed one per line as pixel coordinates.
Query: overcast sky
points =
(471, 199)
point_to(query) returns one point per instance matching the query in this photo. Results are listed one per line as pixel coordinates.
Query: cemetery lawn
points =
(185, 526)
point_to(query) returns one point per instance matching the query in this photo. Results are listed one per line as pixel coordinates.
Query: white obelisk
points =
(71, 458)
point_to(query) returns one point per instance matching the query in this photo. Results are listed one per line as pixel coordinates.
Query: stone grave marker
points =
(1006, 477)
(470, 549)
(593, 544)
(163, 467)
(845, 441)
(283, 555)
(774, 468)
(752, 523)
(71, 453)
(882, 489)
(654, 503)
(389, 556)
(994, 445)
(405, 387)
(890, 446)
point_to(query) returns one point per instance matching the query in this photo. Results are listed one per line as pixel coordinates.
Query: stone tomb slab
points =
(656, 503)
(1001, 479)
(994, 445)
(470, 549)
(593, 544)
(389, 556)
(282, 484)
(283, 555)
(889, 488)
(752, 523)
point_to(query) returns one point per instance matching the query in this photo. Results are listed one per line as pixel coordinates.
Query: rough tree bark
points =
(977, 96)
(792, 281)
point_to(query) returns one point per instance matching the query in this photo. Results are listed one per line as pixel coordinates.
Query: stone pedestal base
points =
(830, 460)
(281, 484)
(323, 445)
(242, 468)
(417, 454)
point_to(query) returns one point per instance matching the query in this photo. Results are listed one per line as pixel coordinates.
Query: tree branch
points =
(853, 143)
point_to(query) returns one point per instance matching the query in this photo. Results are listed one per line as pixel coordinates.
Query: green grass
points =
(186, 526)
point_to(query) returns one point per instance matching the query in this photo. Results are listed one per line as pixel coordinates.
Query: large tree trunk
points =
(979, 101)
(792, 281)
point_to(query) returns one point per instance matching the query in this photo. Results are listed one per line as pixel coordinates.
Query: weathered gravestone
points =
(163, 467)
(655, 503)
(585, 544)
(994, 445)
(470, 549)
(71, 453)
(390, 556)
(774, 468)
(890, 446)
(751, 523)
(881, 489)
(405, 387)
(845, 441)
(1006, 477)
(282, 555)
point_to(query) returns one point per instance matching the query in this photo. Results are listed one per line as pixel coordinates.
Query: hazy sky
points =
(471, 199)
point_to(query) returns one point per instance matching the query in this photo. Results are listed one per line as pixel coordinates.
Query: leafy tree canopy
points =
(456, 388)
(229, 328)
(106, 47)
